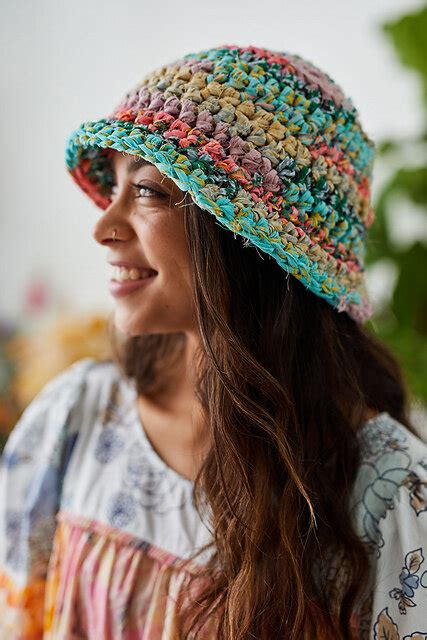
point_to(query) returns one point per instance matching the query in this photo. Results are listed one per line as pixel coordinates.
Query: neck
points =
(174, 420)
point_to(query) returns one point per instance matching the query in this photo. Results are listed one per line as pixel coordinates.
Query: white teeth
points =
(121, 273)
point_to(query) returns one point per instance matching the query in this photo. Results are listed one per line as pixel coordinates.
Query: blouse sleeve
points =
(31, 470)
(400, 587)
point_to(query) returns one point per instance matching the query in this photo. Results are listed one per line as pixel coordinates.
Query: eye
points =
(152, 193)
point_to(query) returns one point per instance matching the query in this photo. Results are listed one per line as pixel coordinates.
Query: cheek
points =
(166, 249)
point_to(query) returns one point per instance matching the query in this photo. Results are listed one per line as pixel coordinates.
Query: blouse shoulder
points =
(38, 442)
(390, 455)
(389, 508)
(399, 588)
(32, 466)
(44, 420)
(38, 447)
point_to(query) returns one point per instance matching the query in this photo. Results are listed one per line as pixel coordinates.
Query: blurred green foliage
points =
(403, 323)
(408, 35)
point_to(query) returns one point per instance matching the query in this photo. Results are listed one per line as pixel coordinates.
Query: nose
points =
(112, 218)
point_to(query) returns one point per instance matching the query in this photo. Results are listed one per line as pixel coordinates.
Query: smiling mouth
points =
(125, 287)
(122, 274)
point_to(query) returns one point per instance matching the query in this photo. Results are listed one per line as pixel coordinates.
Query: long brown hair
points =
(285, 381)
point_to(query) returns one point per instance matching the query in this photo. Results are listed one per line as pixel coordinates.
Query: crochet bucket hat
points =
(263, 140)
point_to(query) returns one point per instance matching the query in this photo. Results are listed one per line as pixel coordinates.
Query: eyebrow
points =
(133, 165)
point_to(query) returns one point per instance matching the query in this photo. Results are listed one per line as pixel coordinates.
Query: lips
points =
(126, 287)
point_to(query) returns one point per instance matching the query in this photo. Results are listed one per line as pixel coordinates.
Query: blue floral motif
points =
(387, 465)
(409, 580)
(377, 483)
(108, 446)
(15, 553)
(121, 510)
(153, 487)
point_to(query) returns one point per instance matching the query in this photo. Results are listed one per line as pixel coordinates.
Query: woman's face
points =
(149, 227)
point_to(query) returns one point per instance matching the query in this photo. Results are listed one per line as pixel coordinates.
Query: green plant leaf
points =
(408, 35)
(412, 183)
(410, 294)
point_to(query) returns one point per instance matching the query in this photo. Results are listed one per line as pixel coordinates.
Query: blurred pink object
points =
(37, 296)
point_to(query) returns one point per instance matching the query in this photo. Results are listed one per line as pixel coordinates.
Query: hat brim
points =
(217, 187)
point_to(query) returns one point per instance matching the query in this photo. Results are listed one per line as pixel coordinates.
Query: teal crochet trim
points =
(234, 211)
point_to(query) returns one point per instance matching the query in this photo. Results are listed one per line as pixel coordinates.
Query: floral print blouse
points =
(96, 530)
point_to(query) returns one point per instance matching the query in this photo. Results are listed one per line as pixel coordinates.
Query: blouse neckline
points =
(142, 435)
(136, 420)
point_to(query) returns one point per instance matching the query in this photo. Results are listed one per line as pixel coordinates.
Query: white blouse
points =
(80, 454)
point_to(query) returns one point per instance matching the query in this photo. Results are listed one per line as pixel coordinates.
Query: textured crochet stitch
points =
(266, 142)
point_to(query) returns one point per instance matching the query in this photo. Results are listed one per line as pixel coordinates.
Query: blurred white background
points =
(63, 63)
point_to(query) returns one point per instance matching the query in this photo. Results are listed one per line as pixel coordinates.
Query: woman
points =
(244, 466)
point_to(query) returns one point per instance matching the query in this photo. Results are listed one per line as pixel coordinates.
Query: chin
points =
(131, 324)
(132, 331)
(133, 327)
(129, 327)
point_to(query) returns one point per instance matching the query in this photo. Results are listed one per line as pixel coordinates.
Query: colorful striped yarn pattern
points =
(266, 142)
